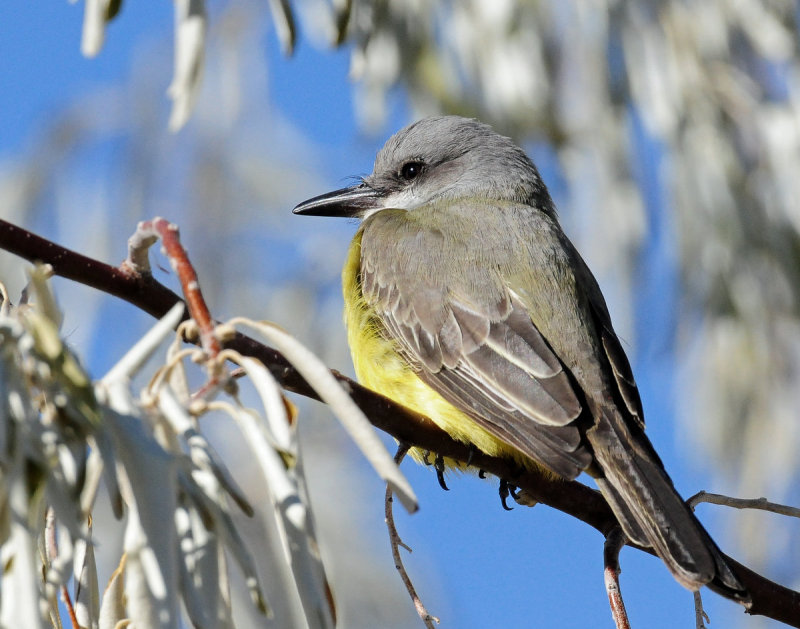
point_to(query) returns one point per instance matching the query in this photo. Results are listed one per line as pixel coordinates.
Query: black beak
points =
(347, 202)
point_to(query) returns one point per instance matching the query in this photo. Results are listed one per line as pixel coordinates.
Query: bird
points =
(466, 302)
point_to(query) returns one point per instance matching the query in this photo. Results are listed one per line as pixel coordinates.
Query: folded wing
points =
(488, 359)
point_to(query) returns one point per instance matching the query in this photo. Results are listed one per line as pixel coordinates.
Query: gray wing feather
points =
(620, 367)
(549, 401)
(623, 376)
(558, 448)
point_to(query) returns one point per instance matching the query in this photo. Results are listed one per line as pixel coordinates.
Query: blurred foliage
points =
(174, 499)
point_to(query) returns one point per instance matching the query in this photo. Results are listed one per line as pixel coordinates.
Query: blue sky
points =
(529, 567)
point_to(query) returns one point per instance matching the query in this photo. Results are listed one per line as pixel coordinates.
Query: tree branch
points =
(769, 599)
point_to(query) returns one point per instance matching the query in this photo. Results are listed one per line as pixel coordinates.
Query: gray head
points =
(444, 157)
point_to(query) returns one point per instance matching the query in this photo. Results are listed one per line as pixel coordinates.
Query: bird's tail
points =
(651, 512)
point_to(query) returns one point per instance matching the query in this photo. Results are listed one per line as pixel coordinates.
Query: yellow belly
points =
(380, 367)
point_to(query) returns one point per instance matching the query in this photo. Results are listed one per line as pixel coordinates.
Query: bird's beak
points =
(350, 202)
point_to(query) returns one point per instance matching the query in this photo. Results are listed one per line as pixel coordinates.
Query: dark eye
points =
(410, 170)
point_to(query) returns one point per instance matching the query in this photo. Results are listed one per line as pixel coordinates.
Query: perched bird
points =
(465, 302)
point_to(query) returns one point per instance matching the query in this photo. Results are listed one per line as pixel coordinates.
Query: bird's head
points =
(438, 158)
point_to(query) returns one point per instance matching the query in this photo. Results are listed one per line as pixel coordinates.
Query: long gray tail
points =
(651, 512)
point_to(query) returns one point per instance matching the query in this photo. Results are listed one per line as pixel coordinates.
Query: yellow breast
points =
(380, 367)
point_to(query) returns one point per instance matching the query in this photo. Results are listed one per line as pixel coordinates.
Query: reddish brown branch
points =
(614, 543)
(137, 264)
(142, 291)
(769, 599)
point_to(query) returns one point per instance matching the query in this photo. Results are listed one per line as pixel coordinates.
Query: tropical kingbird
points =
(465, 302)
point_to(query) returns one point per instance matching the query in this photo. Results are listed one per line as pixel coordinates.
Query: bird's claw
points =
(505, 491)
(438, 464)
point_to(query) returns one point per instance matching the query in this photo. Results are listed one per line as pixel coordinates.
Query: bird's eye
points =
(411, 170)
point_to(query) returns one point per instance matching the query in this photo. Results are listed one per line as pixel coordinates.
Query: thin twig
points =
(700, 616)
(743, 503)
(615, 540)
(396, 543)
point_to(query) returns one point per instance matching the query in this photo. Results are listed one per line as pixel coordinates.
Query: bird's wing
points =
(484, 355)
(621, 368)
